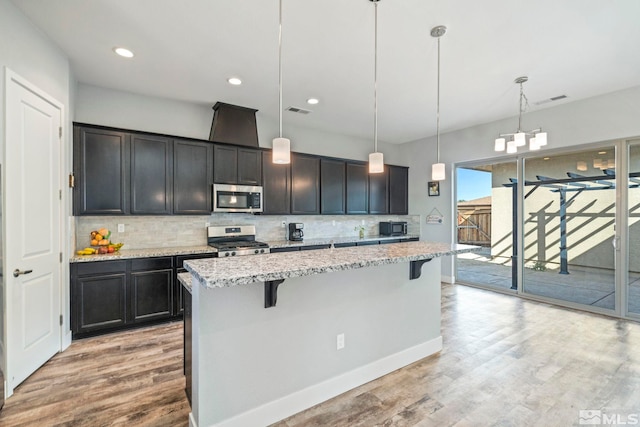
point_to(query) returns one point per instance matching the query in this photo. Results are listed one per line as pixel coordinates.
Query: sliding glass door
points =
(633, 229)
(569, 215)
(485, 217)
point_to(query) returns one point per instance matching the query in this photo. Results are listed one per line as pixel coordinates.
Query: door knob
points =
(17, 272)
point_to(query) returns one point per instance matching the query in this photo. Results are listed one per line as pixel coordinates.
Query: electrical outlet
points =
(363, 222)
(340, 342)
(120, 228)
(333, 222)
(207, 224)
(284, 224)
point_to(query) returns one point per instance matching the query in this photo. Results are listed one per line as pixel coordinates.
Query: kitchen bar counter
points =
(225, 272)
(352, 314)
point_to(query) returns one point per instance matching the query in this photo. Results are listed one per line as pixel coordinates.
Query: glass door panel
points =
(633, 232)
(485, 218)
(569, 217)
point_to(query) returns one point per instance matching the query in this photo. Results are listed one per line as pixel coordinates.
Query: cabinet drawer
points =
(369, 242)
(314, 247)
(152, 263)
(293, 249)
(100, 267)
(344, 245)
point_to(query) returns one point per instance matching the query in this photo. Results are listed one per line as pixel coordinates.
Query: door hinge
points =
(61, 322)
(60, 132)
(72, 181)
(60, 194)
(60, 256)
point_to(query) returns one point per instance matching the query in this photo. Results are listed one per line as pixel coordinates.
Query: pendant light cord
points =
(375, 82)
(438, 109)
(280, 67)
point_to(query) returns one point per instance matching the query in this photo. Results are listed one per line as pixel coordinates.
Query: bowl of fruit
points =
(100, 243)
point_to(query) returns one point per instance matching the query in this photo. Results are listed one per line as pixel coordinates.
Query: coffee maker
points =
(295, 231)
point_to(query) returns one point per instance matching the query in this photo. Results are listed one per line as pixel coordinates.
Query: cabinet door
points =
(180, 259)
(276, 182)
(151, 289)
(192, 177)
(101, 170)
(151, 174)
(225, 164)
(332, 187)
(379, 192)
(305, 184)
(98, 296)
(398, 190)
(249, 166)
(357, 188)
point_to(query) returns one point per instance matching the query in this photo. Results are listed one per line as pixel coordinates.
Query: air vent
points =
(546, 101)
(297, 110)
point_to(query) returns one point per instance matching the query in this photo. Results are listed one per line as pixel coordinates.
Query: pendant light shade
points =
(376, 163)
(281, 151)
(500, 144)
(438, 172)
(376, 159)
(438, 169)
(281, 146)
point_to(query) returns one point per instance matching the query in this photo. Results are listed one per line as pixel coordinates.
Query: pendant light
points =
(281, 146)
(519, 137)
(376, 160)
(437, 169)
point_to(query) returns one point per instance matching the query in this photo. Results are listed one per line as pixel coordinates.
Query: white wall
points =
(602, 118)
(107, 107)
(28, 52)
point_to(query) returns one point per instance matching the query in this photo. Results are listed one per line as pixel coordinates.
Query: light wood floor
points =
(506, 362)
(132, 378)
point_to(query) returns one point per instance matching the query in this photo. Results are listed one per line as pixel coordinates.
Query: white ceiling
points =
(187, 49)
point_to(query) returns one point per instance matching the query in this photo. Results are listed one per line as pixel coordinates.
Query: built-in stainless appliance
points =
(237, 198)
(235, 240)
(393, 228)
(295, 231)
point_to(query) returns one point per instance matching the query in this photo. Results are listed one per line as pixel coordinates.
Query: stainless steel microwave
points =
(237, 198)
(391, 228)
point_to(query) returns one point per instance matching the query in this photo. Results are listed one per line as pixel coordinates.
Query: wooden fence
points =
(474, 226)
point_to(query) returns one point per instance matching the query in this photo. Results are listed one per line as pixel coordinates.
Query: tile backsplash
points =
(142, 232)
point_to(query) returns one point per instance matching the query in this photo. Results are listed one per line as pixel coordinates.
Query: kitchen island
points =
(254, 365)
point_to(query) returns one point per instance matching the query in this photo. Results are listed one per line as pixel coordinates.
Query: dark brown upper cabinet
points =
(398, 190)
(276, 183)
(192, 177)
(151, 175)
(357, 188)
(237, 165)
(101, 166)
(332, 187)
(379, 192)
(305, 184)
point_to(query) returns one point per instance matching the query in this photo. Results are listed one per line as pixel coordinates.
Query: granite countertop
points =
(224, 272)
(143, 253)
(329, 240)
(185, 280)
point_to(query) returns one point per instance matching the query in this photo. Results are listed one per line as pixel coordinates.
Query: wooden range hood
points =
(233, 124)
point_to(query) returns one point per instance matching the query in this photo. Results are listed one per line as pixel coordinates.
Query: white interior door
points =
(32, 214)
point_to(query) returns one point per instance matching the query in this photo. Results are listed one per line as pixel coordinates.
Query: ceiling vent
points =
(546, 101)
(297, 110)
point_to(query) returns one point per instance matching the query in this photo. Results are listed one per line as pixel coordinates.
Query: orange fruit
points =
(98, 237)
(103, 231)
(94, 242)
(103, 242)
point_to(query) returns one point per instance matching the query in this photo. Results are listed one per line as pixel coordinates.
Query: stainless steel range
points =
(235, 240)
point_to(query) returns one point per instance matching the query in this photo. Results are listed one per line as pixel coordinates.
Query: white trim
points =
(295, 402)
(448, 279)
(192, 421)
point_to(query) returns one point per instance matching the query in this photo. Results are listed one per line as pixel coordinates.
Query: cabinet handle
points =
(18, 272)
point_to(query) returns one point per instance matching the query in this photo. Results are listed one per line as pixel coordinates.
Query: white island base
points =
(253, 366)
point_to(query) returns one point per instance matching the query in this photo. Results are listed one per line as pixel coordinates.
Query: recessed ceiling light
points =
(124, 52)
(313, 101)
(234, 81)
(602, 152)
(546, 158)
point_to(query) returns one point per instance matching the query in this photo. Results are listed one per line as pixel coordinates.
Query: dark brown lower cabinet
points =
(180, 259)
(188, 341)
(107, 296)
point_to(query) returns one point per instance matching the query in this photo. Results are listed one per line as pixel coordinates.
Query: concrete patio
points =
(592, 286)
